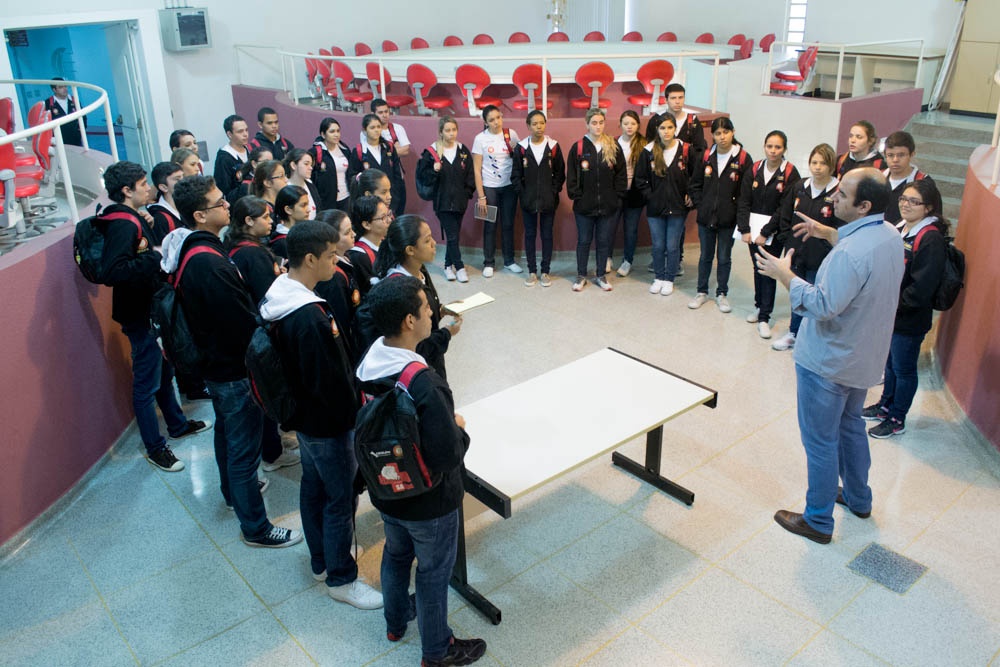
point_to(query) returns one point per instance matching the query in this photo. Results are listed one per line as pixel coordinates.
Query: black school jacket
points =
(595, 188)
(342, 294)
(715, 190)
(228, 172)
(455, 182)
(664, 195)
(279, 149)
(361, 160)
(846, 162)
(689, 131)
(219, 309)
(164, 222)
(325, 175)
(809, 255)
(538, 185)
(921, 276)
(363, 264)
(892, 214)
(771, 198)
(258, 266)
(133, 267)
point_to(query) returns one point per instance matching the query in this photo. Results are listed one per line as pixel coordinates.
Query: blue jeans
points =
(630, 216)
(327, 503)
(718, 244)
(901, 374)
(451, 228)
(833, 434)
(809, 277)
(238, 428)
(505, 199)
(589, 228)
(152, 379)
(541, 223)
(666, 234)
(434, 543)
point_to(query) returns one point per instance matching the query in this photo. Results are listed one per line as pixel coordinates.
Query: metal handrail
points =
(680, 54)
(55, 125)
(841, 48)
(996, 139)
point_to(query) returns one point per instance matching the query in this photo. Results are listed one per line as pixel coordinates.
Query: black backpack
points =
(387, 443)
(953, 276)
(88, 245)
(170, 323)
(427, 191)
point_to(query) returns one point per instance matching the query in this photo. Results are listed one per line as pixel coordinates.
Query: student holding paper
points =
(763, 198)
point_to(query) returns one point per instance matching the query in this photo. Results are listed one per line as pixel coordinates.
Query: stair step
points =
(950, 132)
(947, 149)
(939, 166)
(949, 186)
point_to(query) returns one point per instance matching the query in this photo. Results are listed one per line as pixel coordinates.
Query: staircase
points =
(944, 144)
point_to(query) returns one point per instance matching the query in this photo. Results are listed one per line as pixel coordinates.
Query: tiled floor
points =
(144, 567)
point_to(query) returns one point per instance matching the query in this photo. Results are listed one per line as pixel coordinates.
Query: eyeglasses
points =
(277, 178)
(218, 205)
(387, 216)
(911, 201)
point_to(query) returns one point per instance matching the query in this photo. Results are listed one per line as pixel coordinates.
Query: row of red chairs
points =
(22, 173)
(362, 49)
(789, 81)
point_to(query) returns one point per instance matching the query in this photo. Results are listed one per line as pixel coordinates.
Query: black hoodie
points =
(715, 188)
(455, 182)
(132, 266)
(595, 188)
(538, 185)
(665, 194)
(279, 149)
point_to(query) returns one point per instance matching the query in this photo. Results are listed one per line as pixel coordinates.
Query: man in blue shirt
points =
(841, 346)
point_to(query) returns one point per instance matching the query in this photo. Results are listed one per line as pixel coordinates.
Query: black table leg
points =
(460, 578)
(651, 471)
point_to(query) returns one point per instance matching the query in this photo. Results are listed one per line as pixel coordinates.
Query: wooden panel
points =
(981, 20)
(973, 84)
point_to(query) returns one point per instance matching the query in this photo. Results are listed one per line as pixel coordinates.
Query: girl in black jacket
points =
(332, 171)
(446, 167)
(538, 173)
(377, 153)
(714, 191)
(596, 181)
(370, 218)
(925, 248)
(299, 165)
(662, 175)
(341, 291)
(768, 191)
(861, 151)
(632, 143)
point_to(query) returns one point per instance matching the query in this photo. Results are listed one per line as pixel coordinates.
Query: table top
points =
(533, 432)
(886, 51)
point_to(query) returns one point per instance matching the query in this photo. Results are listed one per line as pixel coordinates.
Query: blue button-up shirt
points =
(849, 312)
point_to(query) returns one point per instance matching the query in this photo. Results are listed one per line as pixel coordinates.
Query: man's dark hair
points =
(901, 140)
(309, 237)
(378, 102)
(873, 187)
(162, 172)
(673, 88)
(227, 124)
(176, 136)
(190, 195)
(121, 175)
(391, 300)
(265, 111)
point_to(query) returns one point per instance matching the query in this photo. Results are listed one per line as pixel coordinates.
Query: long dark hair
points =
(931, 197)
(262, 173)
(404, 231)
(725, 123)
(245, 207)
(363, 210)
(287, 196)
(366, 182)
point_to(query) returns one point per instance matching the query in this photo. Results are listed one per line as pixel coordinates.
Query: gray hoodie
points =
(284, 297)
(385, 361)
(171, 248)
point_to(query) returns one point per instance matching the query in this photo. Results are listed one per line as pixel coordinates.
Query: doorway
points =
(104, 54)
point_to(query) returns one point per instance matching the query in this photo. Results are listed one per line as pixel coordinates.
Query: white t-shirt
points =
(497, 161)
(340, 160)
(450, 153)
(375, 152)
(404, 140)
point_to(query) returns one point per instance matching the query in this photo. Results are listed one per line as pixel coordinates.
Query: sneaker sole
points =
(271, 467)
(159, 467)
(873, 418)
(207, 426)
(290, 543)
(883, 436)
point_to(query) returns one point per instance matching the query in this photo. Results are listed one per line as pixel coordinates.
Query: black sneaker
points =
(165, 460)
(461, 652)
(874, 413)
(193, 426)
(888, 428)
(262, 485)
(198, 395)
(276, 538)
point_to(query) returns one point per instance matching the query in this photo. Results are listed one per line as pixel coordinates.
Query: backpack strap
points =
(756, 167)
(920, 235)
(319, 153)
(919, 176)
(358, 150)
(788, 170)
(254, 143)
(122, 215)
(506, 140)
(392, 133)
(409, 372)
(841, 161)
(175, 280)
(367, 250)
(684, 150)
(239, 246)
(434, 154)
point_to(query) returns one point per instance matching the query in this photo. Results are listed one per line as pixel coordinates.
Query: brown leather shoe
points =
(841, 501)
(793, 522)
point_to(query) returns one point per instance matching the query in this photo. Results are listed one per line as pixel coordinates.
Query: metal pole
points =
(920, 65)
(545, 88)
(111, 130)
(67, 178)
(79, 121)
(840, 72)
(715, 82)
(381, 79)
(284, 81)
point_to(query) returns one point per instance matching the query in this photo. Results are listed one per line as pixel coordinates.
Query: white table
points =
(529, 434)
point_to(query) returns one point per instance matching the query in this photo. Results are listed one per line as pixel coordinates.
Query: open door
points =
(129, 85)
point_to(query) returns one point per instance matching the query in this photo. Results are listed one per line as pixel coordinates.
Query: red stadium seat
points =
(746, 50)
(473, 80)
(593, 78)
(336, 51)
(419, 43)
(341, 89)
(422, 79)
(705, 38)
(7, 115)
(362, 49)
(634, 36)
(528, 79)
(594, 36)
(519, 38)
(558, 37)
(452, 40)
(654, 77)
(388, 45)
(766, 41)
(482, 38)
(789, 81)
(667, 37)
(737, 39)
(395, 101)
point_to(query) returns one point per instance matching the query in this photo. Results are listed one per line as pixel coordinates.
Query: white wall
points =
(864, 20)
(722, 18)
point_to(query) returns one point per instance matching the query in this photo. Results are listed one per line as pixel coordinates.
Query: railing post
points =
(111, 130)
(920, 65)
(840, 72)
(545, 88)
(381, 79)
(67, 177)
(284, 80)
(79, 121)
(715, 83)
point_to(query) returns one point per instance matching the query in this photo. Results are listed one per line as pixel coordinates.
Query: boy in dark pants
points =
(313, 354)
(133, 270)
(426, 526)
(222, 319)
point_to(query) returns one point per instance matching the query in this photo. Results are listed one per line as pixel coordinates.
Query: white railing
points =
(55, 125)
(996, 139)
(841, 50)
(293, 57)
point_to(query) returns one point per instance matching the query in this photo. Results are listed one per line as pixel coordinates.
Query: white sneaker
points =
(667, 289)
(487, 272)
(786, 342)
(580, 283)
(531, 280)
(763, 330)
(723, 303)
(752, 317)
(286, 459)
(356, 552)
(698, 301)
(462, 275)
(656, 286)
(607, 266)
(449, 272)
(513, 267)
(603, 284)
(546, 280)
(357, 594)
(625, 268)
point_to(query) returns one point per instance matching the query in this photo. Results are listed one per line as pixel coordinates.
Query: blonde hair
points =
(609, 147)
(439, 142)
